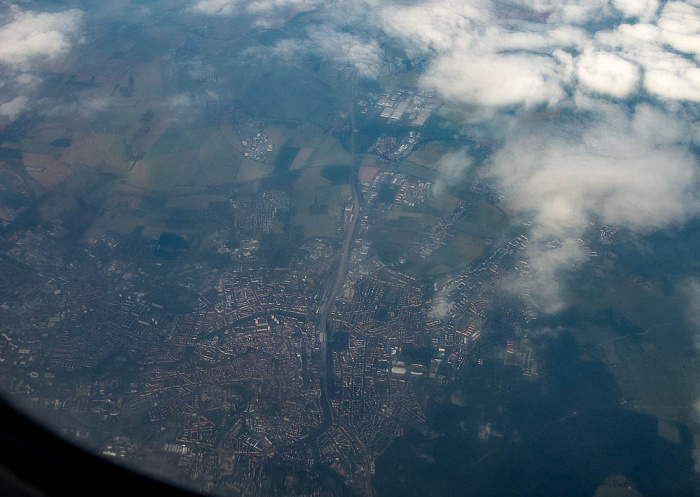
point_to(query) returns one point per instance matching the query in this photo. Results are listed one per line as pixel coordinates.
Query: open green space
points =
(641, 333)
(169, 158)
(430, 153)
(216, 163)
(401, 229)
(252, 170)
(461, 250)
(317, 209)
(287, 93)
(338, 175)
(483, 220)
(10, 153)
(387, 194)
(285, 158)
(61, 142)
(330, 151)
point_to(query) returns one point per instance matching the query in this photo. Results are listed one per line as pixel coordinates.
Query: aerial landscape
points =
(357, 248)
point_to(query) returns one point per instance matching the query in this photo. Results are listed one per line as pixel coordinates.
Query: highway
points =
(333, 286)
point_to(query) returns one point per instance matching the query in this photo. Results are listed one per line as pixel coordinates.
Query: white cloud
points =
(607, 74)
(13, 108)
(365, 56)
(666, 75)
(633, 171)
(680, 27)
(497, 79)
(435, 26)
(577, 11)
(269, 5)
(536, 40)
(484, 53)
(441, 307)
(622, 171)
(27, 36)
(673, 77)
(643, 9)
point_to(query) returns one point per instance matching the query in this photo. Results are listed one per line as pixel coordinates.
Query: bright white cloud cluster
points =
(634, 171)
(365, 56)
(27, 39)
(485, 56)
(607, 74)
(617, 173)
(642, 9)
(623, 167)
(498, 80)
(667, 74)
(483, 53)
(438, 26)
(27, 36)
(680, 27)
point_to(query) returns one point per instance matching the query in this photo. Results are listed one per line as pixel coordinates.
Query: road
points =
(333, 286)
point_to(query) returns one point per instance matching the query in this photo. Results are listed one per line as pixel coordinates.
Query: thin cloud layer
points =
(343, 48)
(13, 108)
(691, 288)
(264, 8)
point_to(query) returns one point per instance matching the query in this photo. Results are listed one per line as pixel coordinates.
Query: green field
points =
(652, 358)
(285, 158)
(429, 154)
(484, 220)
(401, 228)
(337, 175)
(330, 151)
(251, 170)
(216, 163)
(318, 207)
(169, 158)
(460, 251)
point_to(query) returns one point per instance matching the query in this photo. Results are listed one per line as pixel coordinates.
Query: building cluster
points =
(413, 107)
(521, 355)
(214, 372)
(390, 148)
(407, 190)
(440, 234)
(256, 146)
(221, 366)
(251, 131)
(607, 234)
(257, 214)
